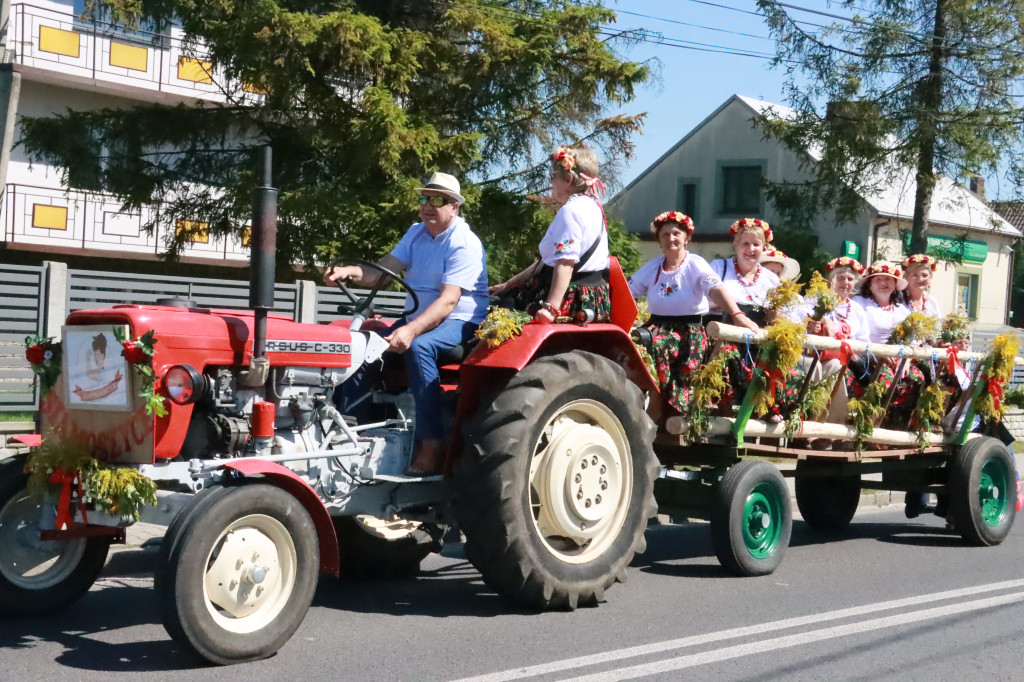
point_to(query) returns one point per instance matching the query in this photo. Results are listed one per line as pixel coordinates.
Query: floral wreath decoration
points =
(566, 158)
(773, 253)
(884, 269)
(920, 259)
(679, 218)
(845, 262)
(751, 222)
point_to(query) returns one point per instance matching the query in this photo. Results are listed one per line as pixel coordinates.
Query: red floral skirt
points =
(677, 349)
(582, 297)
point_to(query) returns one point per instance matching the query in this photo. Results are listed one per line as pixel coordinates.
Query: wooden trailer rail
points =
(742, 425)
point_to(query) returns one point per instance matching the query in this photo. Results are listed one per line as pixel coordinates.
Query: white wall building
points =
(55, 60)
(715, 173)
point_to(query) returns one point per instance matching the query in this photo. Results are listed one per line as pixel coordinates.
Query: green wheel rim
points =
(762, 521)
(993, 492)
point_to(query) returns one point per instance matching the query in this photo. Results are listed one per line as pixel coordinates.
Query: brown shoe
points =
(428, 460)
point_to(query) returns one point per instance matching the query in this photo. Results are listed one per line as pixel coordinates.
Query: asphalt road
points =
(888, 599)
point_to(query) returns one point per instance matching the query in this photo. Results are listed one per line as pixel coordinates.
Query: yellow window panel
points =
(253, 89)
(58, 41)
(195, 70)
(129, 56)
(50, 217)
(195, 231)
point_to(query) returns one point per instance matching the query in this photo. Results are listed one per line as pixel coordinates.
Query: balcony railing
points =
(51, 218)
(63, 43)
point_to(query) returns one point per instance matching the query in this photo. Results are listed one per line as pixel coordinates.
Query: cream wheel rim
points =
(26, 561)
(581, 480)
(250, 574)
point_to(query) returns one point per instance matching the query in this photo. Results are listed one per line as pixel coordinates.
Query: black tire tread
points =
(490, 490)
(963, 486)
(737, 482)
(826, 503)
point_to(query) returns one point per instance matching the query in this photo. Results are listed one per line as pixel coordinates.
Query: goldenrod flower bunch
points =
(955, 326)
(916, 326)
(709, 382)
(997, 369)
(825, 300)
(500, 325)
(930, 409)
(866, 410)
(780, 351)
(784, 295)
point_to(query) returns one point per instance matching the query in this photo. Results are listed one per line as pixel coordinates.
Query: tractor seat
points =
(451, 358)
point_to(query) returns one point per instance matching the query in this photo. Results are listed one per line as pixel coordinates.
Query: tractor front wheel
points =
(557, 482)
(39, 577)
(240, 573)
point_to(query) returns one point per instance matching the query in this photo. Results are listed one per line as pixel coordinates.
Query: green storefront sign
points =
(971, 251)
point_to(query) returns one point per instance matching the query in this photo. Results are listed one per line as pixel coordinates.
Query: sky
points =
(694, 83)
(691, 84)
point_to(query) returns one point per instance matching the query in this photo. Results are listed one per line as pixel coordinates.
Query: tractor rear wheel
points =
(557, 482)
(241, 568)
(39, 577)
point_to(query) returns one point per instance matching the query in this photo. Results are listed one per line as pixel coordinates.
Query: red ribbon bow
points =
(952, 361)
(775, 380)
(65, 518)
(845, 353)
(995, 389)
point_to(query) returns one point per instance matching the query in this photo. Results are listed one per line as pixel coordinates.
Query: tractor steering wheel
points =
(356, 305)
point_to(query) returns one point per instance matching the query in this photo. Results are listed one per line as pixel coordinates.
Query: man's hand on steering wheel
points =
(342, 273)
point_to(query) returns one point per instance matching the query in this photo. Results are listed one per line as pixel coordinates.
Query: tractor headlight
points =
(184, 384)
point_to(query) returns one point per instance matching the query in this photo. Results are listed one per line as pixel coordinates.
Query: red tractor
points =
(264, 485)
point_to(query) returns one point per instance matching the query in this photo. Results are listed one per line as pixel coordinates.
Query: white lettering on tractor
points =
(280, 346)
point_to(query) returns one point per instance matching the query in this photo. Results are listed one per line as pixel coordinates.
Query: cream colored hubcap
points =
(250, 573)
(581, 482)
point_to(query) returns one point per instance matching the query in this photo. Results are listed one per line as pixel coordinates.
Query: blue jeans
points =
(421, 367)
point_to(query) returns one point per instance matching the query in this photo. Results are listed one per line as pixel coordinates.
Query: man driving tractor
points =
(445, 265)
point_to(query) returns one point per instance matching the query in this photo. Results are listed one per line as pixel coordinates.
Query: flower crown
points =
(565, 157)
(922, 259)
(684, 221)
(884, 269)
(845, 262)
(773, 253)
(752, 222)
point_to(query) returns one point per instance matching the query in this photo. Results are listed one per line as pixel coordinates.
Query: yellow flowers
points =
(866, 410)
(916, 326)
(825, 300)
(784, 295)
(997, 370)
(930, 408)
(119, 491)
(780, 351)
(708, 383)
(500, 325)
(956, 326)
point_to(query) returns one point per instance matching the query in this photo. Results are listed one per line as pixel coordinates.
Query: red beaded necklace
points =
(739, 277)
(841, 316)
(924, 304)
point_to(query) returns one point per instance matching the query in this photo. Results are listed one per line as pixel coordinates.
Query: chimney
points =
(977, 187)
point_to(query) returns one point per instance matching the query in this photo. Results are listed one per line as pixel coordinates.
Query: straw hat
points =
(446, 185)
(881, 268)
(790, 268)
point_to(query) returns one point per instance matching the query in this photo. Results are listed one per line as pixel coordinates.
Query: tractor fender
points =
(608, 340)
(287, 480)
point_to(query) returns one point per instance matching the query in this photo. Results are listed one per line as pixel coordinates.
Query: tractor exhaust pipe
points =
(263, 257)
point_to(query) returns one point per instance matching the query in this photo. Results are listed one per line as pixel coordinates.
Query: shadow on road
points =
(671, 549)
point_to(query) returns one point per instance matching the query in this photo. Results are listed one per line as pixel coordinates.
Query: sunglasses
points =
(436, 202)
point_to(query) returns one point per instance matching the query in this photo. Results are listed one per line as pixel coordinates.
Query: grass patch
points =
(17, 416)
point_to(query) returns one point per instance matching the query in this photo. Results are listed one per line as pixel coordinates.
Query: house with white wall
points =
(55, 59)
(716, 174)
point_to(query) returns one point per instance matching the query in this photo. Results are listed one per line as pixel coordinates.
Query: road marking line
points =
(739, 650)
(746, 631)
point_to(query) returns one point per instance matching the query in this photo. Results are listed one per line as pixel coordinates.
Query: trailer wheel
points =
(557, 482)
(375, 548)
(241, 569)
(826, 502)
(751, 519)
(982, 487)
(39, 577)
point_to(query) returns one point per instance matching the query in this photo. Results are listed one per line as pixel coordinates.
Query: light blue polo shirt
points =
(455, 256)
